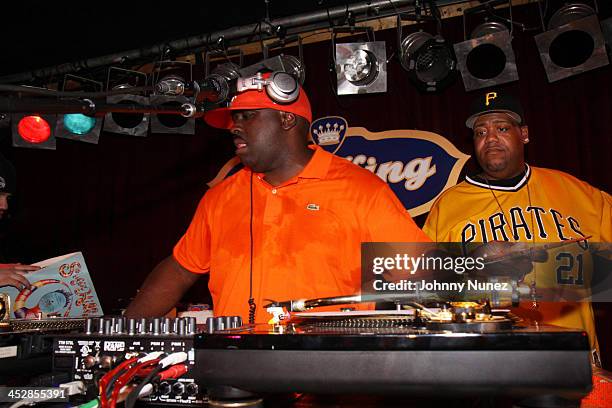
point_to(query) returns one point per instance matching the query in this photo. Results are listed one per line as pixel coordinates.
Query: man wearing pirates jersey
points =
(512, 201)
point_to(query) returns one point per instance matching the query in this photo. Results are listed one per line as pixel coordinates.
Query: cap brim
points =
(219, 118)
(472, 119)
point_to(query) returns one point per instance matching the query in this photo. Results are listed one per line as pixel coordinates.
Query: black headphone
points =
(280, 86)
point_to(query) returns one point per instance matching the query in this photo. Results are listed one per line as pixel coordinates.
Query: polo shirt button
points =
(273, 191)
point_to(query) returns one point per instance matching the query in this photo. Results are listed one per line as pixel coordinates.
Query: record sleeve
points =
(61, 288)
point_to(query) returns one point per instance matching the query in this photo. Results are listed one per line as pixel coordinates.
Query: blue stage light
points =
(78, 123)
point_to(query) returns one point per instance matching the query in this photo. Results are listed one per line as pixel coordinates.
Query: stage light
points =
(170, 79)
(229, 62)
(79, 124)
(133, 124)
(291, 64)
(76, 126)
(361, 67)
(295, 67)
(33, 131)
(227, 70)
(429, 60)
(573, 44)
(487, 59)
(79, 127)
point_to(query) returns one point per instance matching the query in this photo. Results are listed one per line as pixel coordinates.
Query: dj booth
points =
(372, 359)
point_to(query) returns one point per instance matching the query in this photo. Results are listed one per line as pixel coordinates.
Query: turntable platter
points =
(352, 313)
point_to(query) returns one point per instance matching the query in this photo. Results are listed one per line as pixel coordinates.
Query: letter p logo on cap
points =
(489, 97)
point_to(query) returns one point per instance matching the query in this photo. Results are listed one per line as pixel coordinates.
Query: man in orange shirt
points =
(289, 225)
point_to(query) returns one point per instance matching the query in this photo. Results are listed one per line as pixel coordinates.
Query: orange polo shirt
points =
(307, 234)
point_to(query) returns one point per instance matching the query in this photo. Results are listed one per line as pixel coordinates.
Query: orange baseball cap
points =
(253, 99)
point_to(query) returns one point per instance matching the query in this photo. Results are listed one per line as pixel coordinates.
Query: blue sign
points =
(417, 165)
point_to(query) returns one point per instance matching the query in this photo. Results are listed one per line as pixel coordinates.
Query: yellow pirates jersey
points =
(543, 206)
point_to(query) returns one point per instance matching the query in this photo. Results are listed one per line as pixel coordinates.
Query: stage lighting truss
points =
(487, 58)
(170, 79)
(361, 67)
(291, 64)
(574, 42)
(76, 126)
(133, 124)
(429, 60)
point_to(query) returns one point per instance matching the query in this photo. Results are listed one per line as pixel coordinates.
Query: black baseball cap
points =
(495, 101)
(7, 176)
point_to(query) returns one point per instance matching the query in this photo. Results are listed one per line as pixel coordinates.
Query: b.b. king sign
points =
(417, 165)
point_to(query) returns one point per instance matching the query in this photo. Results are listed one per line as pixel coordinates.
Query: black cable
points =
(131, 399)
(52, 92)
(111, 382)
(261, 43)
(252, 304)
(250, 37)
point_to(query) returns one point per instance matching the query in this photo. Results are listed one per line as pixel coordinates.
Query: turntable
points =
(460, 349)
(26, 344)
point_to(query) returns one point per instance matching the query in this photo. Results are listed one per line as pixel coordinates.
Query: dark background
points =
(126, 201)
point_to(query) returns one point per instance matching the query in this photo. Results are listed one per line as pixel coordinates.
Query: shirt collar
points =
(512, 184)
(316, 168)
(318, 165)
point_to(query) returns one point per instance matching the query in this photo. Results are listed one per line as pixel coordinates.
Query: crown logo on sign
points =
(328, 135)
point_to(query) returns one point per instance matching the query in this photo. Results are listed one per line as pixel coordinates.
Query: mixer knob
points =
(191, 389)
(113, 324)
(235, 322)
(131, 326)
(191, 325)
(119, 325)
(156, 326)
(89, 325)
(144, 326)
(219, 323)
(167, 326)
(101, 325)
(178, 388)
(164, 388)
(108, 326)
(181, 328)
(210, 324)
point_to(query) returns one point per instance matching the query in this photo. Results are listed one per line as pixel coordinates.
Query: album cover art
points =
(61, 288)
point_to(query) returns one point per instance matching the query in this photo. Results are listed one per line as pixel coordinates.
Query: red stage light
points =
(34, 129)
